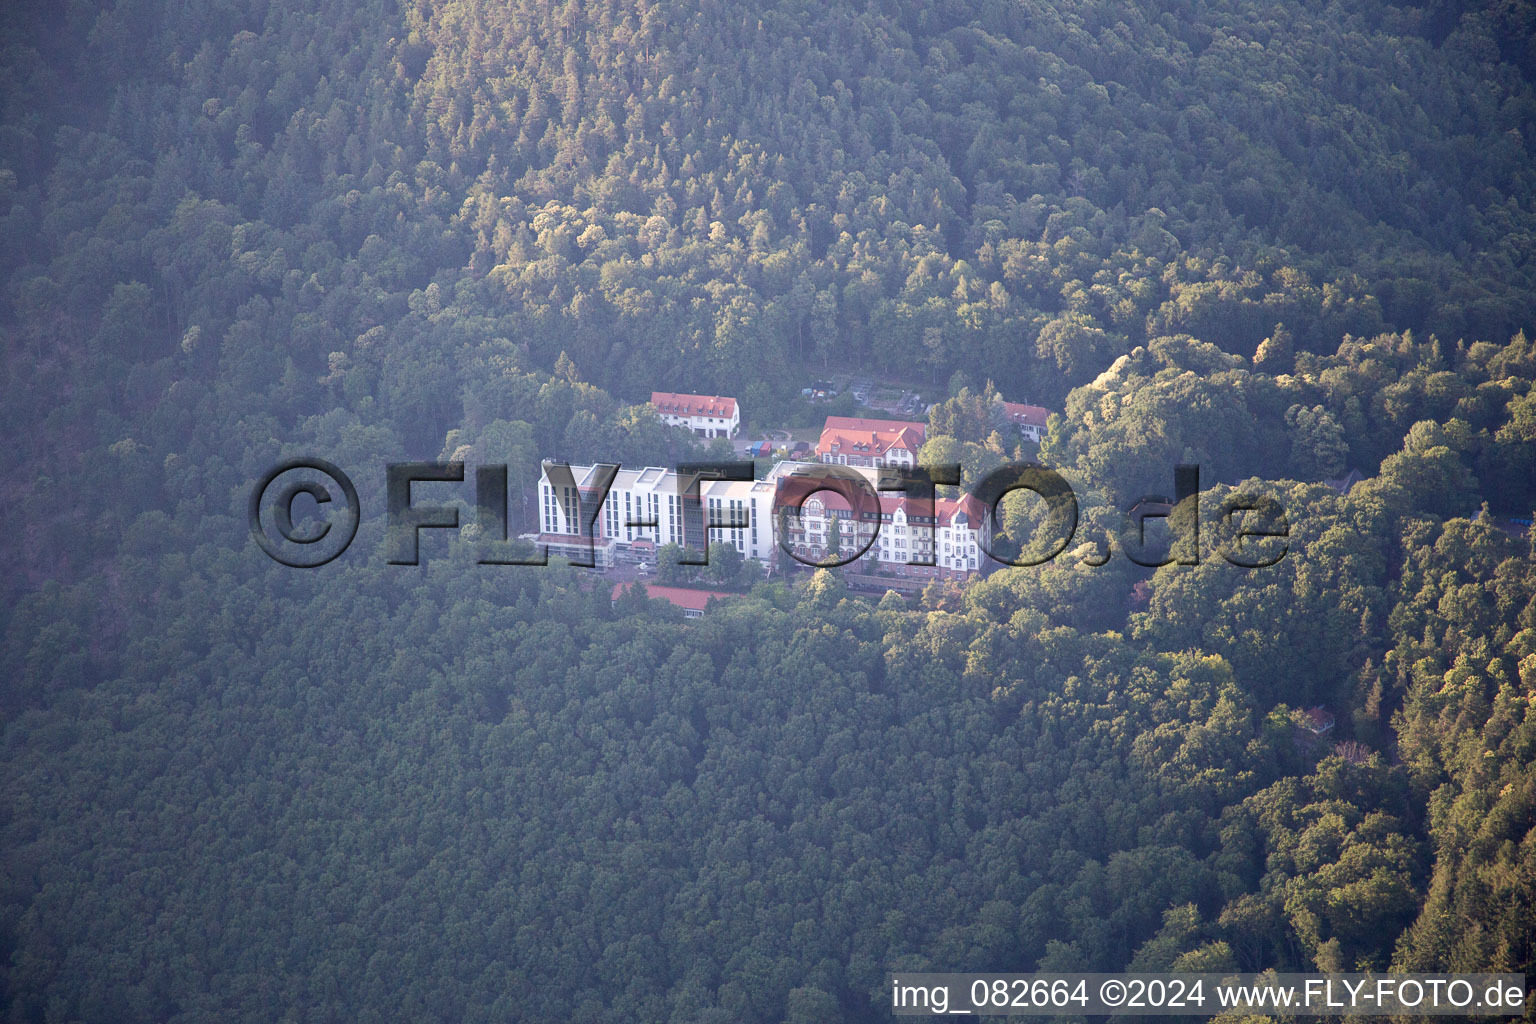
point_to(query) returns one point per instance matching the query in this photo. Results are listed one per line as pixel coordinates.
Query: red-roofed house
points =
(705, 415)
(692, 602)
(855, 441)
(1029, 419)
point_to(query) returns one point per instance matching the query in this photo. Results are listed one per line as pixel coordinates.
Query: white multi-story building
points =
(947, 540)
(748, 503)
(705, 415)
(644, 509)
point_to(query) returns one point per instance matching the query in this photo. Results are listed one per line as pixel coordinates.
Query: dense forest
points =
(1279, 240)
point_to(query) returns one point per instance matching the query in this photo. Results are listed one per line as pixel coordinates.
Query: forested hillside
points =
(1281, 240)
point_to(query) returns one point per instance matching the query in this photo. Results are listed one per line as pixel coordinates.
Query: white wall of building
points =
(652, 494)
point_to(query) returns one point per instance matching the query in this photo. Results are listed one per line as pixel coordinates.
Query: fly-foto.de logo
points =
(305, 512)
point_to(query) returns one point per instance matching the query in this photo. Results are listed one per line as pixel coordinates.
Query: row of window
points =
(732, 511)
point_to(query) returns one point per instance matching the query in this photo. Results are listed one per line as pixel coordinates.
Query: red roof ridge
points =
(1034, 415)
(682, 597)
(678, 404)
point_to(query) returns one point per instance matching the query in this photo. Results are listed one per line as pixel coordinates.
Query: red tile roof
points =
(682, 597)
(859, 423)
(969, 504)
(944, 509)
(797, 490)
(850, 435)
(1026, 415)
(693, 405)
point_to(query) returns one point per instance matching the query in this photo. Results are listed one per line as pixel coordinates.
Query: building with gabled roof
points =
(1030, 420)
(705, 415)
(692, 602)
(902, 537)
(870, 443)
(1317, 719)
